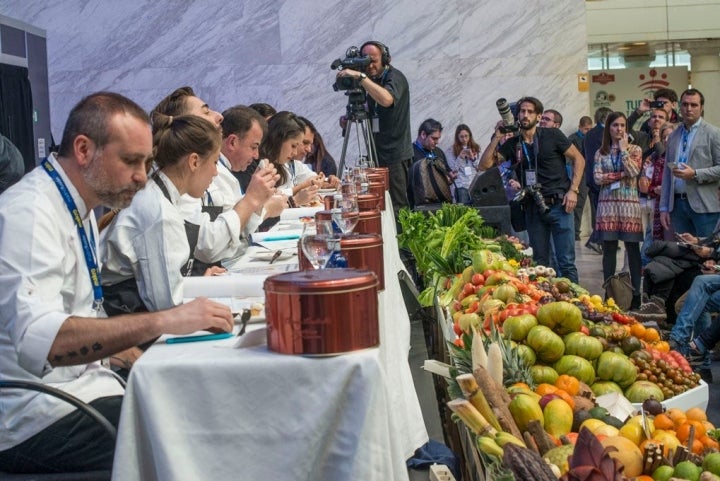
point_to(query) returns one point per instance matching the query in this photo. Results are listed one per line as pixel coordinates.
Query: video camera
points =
(353, 60)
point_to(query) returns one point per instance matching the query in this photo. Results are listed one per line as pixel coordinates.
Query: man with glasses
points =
(551, 119)
(433, 185)
(689, 201)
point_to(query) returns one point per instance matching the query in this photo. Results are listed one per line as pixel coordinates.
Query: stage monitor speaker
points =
(487, 189)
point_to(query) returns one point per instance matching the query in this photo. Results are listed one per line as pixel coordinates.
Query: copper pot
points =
(379, 189)
(322, 312)
(362, 251)
(326, 215)
(384, 171)
(370, 222)
(369, 201)
(378, 178)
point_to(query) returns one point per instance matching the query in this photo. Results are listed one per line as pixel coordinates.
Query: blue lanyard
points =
(88, 249)
(527, 155)
(616, 161)
(429, 154)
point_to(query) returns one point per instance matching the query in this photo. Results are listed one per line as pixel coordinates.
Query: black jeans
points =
(74, 443)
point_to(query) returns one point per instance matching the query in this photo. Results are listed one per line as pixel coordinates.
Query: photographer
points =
(388, 102)
(538, 158)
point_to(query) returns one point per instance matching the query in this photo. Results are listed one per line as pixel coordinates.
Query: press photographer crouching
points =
(537, 158)
(388, 103)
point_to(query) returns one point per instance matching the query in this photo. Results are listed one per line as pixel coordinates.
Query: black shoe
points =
(649, 312)
(597, 248)
(694, 356)
(705, 375)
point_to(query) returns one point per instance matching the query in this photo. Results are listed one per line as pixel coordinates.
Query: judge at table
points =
(52, 328)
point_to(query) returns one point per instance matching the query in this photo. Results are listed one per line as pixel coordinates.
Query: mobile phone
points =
(672, 165)
(716, 267)
(657, 104)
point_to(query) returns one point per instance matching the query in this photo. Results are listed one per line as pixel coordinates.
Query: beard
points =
(526, 124)
(101, 184)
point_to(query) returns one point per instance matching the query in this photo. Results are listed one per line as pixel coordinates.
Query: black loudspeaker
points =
(487, 189)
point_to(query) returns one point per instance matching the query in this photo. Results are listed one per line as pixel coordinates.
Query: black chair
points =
(85, 408)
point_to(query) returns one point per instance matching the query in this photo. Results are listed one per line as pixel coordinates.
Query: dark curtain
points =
(16, 111)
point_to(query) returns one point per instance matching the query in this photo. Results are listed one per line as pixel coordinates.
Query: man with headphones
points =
(388, 102)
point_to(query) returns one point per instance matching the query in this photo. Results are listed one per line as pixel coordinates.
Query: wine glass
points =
(315, 245)
(345, 212)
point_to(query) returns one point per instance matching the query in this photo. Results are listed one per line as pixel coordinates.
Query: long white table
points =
(207, 411)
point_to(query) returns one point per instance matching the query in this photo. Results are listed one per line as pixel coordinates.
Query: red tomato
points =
(488, 273)
(468, 289)
(584, 329)
(473, 307)
(478, 279)
(532, 309)
(456, 328)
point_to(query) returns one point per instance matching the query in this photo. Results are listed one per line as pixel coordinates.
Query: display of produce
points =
(553, 381)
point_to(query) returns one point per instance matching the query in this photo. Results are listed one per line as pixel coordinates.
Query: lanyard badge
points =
(88, 248)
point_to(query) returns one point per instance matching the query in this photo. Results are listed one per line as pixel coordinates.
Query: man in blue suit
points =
(689, 200)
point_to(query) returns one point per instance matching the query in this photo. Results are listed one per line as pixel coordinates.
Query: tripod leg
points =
(369, 142)
(341, 167)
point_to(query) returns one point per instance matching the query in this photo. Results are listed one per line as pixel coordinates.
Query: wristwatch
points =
(362, 76)
(576, 189)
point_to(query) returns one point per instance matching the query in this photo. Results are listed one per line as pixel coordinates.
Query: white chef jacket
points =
(44, 280)
(297, 173)
(147, 242)
(223, 238)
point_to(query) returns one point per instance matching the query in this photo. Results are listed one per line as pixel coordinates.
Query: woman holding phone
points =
(617, 166)
(464, 159)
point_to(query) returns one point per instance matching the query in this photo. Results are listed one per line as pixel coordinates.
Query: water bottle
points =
(336, 213)
(337, 259)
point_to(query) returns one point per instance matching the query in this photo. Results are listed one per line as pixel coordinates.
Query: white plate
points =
(327, 191)
(268, 255)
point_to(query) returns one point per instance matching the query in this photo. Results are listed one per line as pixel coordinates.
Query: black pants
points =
(609, 263)
(593, 196)
(671, 289)
(74, 443)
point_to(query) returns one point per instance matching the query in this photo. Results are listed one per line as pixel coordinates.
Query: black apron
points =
(124, 297)
(199, 267)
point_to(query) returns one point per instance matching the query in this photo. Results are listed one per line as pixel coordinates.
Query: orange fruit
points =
(696, 414)
(545, 388)
(683, 431)
(566, 397)
(643, 477)
(663, 421)
(652, 334)
(709, 442)
(677, 415)
(698, 447)
(662, 346)
(521, 384)
(567, 383)
(708, 426)
(638, 330)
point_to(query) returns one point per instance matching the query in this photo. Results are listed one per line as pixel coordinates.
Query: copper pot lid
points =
(321, 281)
(359, 241)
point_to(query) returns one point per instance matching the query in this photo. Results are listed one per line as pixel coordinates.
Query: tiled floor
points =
(589, 266)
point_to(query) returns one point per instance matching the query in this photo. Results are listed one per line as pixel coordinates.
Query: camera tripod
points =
(358, 116)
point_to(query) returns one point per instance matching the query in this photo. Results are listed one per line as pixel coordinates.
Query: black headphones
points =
(384, 51)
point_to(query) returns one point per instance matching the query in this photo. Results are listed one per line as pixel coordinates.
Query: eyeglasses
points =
(547, 119)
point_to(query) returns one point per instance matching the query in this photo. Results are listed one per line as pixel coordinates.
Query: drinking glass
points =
(345, 212)
(315, 245)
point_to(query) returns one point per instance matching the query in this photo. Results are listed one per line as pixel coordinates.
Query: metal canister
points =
(322, 312)
(370, 222)
(378, 188)
(369, 201)
(384, 171)
(378, 178)
(362, 251)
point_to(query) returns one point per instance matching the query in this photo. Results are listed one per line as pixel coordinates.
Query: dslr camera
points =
(507, 113)
(533, 192)
(354, 60)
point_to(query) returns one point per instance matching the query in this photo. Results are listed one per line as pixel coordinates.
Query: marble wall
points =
(459, 55)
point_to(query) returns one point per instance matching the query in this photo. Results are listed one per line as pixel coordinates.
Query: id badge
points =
(375, 125)
(615, 185)
(530, 178)
(468, 170)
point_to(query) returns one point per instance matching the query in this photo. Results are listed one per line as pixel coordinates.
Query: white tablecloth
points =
(206, 411)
